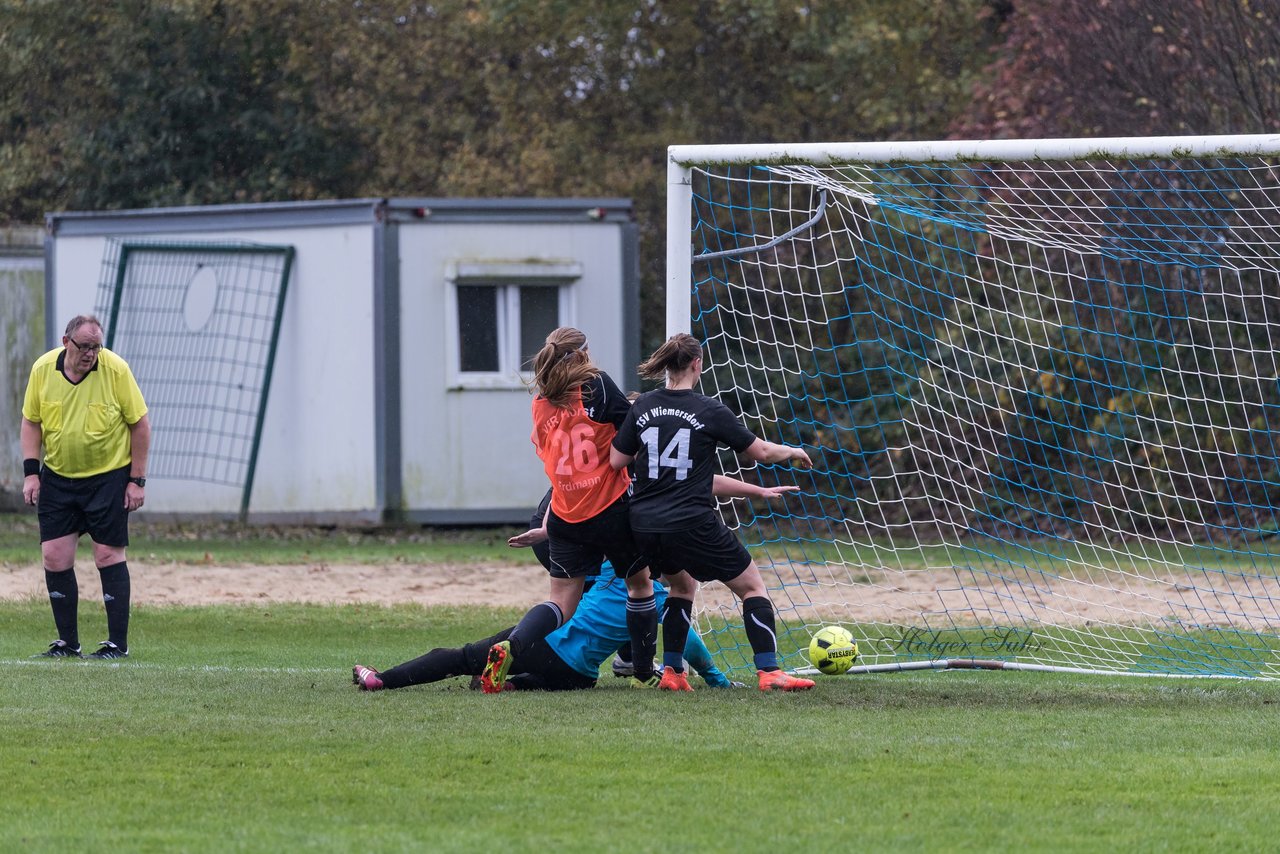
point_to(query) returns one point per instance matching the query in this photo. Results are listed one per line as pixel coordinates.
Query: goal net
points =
(1039, 382)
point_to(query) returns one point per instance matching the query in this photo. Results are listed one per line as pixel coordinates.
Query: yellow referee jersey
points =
(84, 426)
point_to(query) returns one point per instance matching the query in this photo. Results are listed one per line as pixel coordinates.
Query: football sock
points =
(540, 621)
(442, 663)
(642, 625)
(677, 616)
(431, 667)
(115, 596)
(64, 598)
(757, 615)
(624, 652)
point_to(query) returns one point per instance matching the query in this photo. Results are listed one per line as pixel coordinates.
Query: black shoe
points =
(623, 668)
(60, 649)
(107, 650)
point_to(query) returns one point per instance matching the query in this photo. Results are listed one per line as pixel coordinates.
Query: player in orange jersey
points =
(576, 412)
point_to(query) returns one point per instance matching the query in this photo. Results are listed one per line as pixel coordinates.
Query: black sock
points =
(540, 621)
(642, 625)
(115, 595)
(443, 663)
(432, 667)
(624, 651)
(757, 616)
(677, 616)
(64, 598)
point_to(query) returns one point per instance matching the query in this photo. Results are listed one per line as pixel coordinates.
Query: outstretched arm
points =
(723, 486)
(531, 537)
(771, 452)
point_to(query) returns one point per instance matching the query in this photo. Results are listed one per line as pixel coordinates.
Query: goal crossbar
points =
(961, 151)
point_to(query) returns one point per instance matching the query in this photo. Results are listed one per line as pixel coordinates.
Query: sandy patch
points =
(173, 584)
(1170, 597)
(890, 597)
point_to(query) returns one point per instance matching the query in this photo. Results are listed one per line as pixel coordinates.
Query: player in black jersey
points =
(672, 435)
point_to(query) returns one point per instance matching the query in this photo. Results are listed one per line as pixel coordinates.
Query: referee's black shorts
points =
(91, 505)
(708, 552)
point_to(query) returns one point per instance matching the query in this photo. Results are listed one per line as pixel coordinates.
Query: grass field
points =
(237, 728)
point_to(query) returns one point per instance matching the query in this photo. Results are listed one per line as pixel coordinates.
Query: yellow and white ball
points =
(833, 650)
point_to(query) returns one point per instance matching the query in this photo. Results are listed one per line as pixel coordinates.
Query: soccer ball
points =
(833, 650)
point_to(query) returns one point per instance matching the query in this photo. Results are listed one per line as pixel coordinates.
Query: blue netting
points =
(1044, 401)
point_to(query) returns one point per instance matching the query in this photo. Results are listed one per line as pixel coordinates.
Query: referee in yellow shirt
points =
(84, 406)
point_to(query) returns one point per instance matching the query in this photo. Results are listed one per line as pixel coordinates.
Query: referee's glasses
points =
(85, 348)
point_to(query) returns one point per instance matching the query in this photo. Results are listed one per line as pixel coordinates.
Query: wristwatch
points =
(141, 481)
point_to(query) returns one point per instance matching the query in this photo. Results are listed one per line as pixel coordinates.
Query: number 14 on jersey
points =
(675, 455)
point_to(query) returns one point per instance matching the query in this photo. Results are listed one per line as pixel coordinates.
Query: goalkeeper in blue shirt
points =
(570, 657)
(567, 659)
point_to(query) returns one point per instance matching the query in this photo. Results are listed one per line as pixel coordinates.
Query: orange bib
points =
(575, 453)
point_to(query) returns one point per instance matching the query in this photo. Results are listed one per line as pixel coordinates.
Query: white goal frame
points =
(683, 160)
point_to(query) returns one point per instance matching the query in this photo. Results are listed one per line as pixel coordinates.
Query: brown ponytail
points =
(562, 365)
(674, 356)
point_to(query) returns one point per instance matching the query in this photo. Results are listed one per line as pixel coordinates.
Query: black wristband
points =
(30, 466)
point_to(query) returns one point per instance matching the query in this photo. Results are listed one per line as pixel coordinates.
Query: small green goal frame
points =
(206, 387)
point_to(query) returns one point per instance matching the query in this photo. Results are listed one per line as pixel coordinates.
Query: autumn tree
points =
(1131, 67)
(145, 102)
(131, 104)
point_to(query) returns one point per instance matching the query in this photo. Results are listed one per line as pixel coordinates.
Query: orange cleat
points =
(673, 680)
(494, 677)
(777, 680)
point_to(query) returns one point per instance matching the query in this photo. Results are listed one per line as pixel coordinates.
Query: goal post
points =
(1039, 380)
